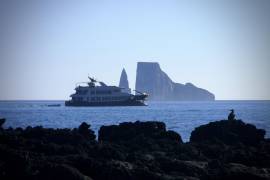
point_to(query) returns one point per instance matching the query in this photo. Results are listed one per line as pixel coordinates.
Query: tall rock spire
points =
(123, 83)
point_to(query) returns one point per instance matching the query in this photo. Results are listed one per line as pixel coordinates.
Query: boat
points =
(54, 105)
(97, 93)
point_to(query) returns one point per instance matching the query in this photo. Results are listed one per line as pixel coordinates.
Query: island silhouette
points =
(152, 80)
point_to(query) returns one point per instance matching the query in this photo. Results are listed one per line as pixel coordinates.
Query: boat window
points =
(81, 92)
(103, 92)
(77, 99)
(106, 99)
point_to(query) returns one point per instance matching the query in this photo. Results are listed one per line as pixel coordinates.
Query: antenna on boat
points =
(92, 79)
(138, 92)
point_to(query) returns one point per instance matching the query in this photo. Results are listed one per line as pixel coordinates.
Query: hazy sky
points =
(48, 46)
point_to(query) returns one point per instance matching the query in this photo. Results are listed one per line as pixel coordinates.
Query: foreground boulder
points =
(141, 136)
(232, 141)
(84, 129)
(128, 131)
(228, 132)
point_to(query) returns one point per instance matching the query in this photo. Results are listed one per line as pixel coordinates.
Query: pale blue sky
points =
(48, 46)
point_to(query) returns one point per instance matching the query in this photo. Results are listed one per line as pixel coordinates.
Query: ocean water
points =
(181, 117)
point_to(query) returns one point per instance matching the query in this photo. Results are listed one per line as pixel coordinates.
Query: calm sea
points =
(181, 117)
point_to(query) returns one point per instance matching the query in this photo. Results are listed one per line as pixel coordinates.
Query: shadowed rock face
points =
(123, 83)
(228, 132)
(129, 131)
(2, 121)
(139, 150)
(152, 80)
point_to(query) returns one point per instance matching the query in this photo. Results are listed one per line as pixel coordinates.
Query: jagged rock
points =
(128, 131)
(228, 132)
(86, 132)
(239, 171)
(152, 80)
(63, 171)
(2, 121)
(123, 83)
(139, 150)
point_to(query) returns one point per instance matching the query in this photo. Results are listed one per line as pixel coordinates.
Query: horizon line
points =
(148, 100)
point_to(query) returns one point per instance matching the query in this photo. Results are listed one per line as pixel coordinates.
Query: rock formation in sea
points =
(123, 83)
(152, 80)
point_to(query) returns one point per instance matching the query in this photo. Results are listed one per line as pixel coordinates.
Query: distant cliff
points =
(123, 83)
(152, 80)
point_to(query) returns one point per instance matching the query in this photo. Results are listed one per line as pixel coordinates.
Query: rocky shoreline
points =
(140, 150)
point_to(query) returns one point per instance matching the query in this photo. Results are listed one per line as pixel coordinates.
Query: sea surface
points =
(181, 117)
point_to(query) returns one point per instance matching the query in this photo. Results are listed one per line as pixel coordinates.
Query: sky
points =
(46, 47)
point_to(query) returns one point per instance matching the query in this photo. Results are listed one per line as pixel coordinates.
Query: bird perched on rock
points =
(231, 116)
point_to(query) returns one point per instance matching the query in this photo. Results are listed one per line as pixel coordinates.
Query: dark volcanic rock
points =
(128, 131)
(86, 132)
(152, 80)
(63, 171)
(239, 171)
(139, 150)
(233, 141)
(141, 136)
(228, 132)
(2, 121)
